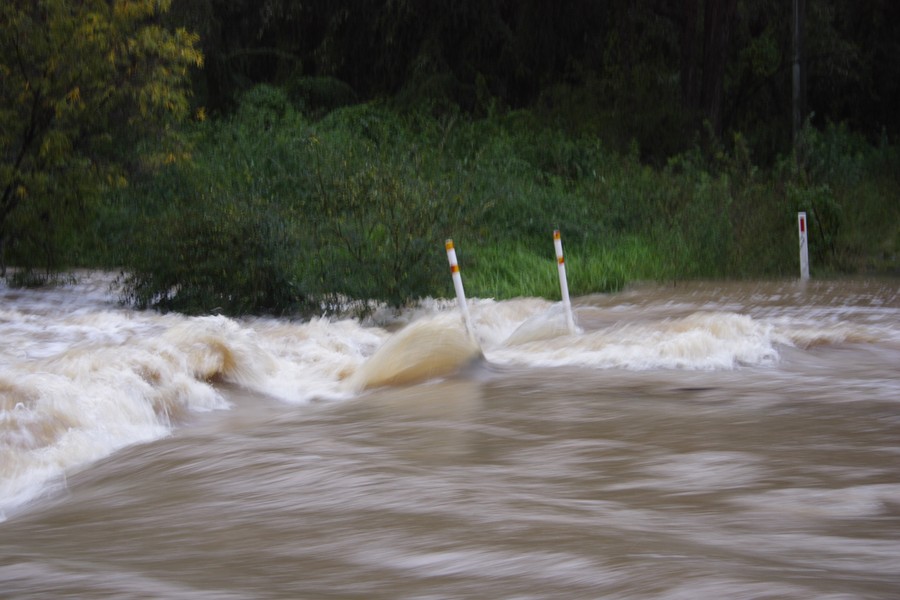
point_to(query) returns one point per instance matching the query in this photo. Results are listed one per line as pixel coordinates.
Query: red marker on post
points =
(804, 250)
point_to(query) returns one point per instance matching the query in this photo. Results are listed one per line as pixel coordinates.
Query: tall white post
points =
(458, 285)
(563, 282)
(804, 250)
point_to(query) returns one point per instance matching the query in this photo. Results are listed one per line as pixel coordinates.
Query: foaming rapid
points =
(698, 341)
(81, 376)
(67, 402)
(423, 350)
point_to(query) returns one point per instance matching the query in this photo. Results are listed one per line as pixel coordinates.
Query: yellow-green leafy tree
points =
(80, 82)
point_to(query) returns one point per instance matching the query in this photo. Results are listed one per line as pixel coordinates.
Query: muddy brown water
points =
(708, 440)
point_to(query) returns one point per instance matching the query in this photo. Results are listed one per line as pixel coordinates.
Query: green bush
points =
(319, 95)
(217, 234)
(849, 189)
(275, 214)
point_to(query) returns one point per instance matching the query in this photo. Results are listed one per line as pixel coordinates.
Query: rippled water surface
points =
(709, 440)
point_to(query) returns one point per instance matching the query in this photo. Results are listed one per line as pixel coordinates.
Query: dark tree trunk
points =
(798, 70)
(703, 80)
(690, 90)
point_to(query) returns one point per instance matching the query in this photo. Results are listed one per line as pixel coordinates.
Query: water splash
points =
(81, 376)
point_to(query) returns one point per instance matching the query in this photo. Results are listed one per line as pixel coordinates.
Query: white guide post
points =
(458, 285)
(563, 283)
(804, 250)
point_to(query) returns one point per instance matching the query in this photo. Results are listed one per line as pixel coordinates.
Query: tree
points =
(81, 79)
(703, 80)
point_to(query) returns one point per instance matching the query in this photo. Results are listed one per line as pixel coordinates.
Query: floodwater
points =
(707, 440)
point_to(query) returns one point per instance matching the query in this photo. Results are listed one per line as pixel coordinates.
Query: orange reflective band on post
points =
(457, 284)
(563, 284)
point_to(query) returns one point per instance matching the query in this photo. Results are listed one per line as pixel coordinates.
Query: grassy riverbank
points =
(274, 210)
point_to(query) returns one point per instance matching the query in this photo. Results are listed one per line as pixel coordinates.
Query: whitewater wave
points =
(81, 377)
(701, 341)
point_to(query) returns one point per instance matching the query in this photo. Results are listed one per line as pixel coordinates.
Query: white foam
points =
(699, 341)
(81, 377)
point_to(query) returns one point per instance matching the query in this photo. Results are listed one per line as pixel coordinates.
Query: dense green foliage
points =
(278, 212)
(336, 144)
(79, 81)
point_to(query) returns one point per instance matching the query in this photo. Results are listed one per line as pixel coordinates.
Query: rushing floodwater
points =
(710, 440)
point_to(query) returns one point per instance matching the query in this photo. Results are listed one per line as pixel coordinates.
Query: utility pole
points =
(799, 68)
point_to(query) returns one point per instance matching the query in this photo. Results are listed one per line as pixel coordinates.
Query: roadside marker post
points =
(458, 285)
(563, 282)
(804, 248)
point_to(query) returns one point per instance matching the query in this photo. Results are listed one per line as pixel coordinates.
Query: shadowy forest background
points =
(282, 156)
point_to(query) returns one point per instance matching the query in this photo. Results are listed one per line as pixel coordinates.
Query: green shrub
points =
(230, 219)
(275, 214)
(319, 95)
(849, 189)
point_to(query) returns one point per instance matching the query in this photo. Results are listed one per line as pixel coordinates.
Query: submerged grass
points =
(511, 269)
